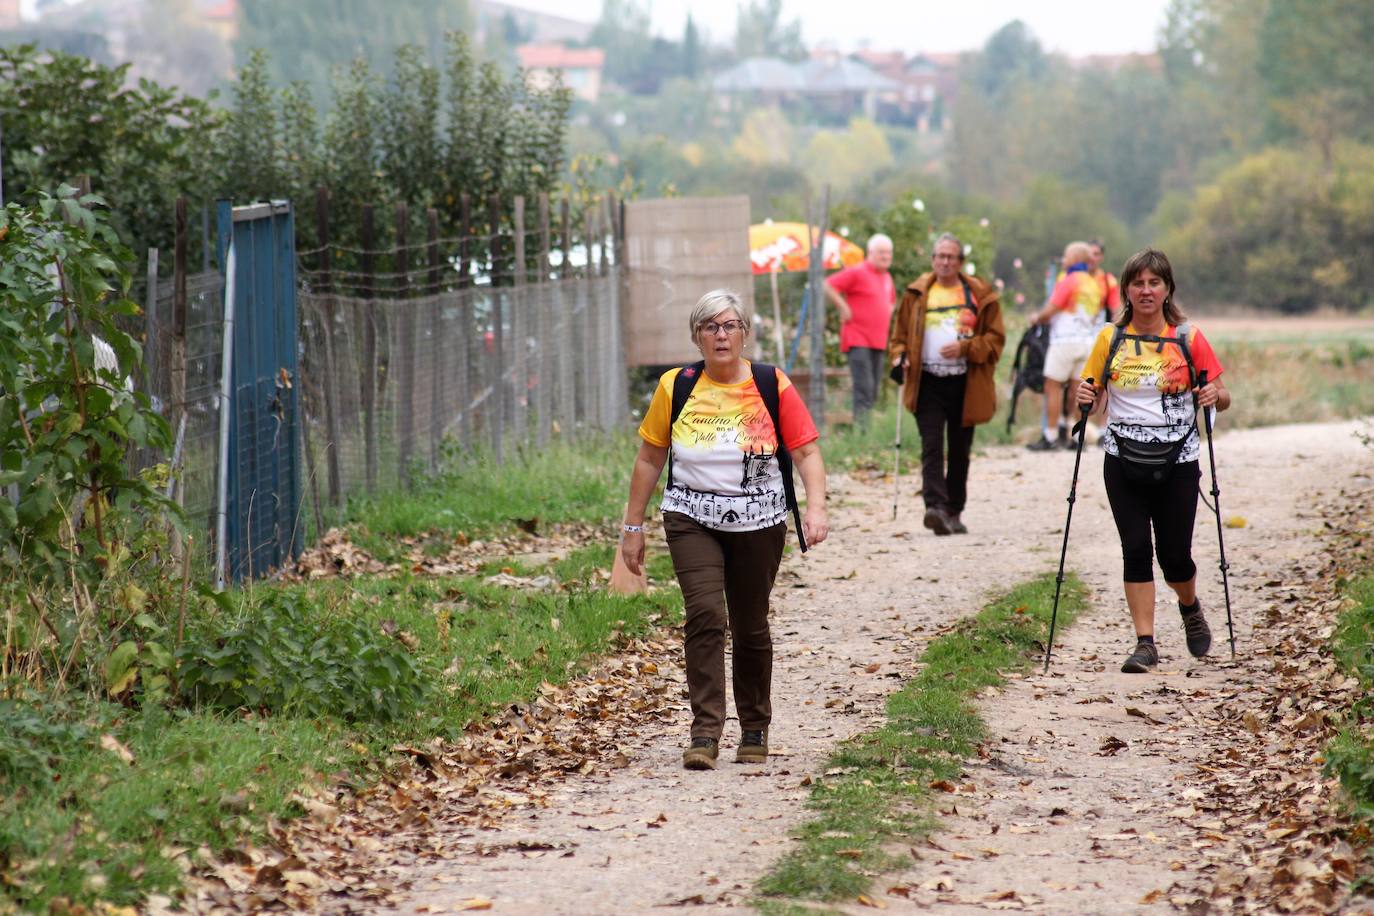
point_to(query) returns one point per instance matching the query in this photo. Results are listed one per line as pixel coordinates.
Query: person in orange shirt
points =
(1074, 314)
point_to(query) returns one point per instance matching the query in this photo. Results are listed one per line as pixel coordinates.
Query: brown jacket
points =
(982, 350)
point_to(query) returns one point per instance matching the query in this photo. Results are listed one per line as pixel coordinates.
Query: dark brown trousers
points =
(726, 576)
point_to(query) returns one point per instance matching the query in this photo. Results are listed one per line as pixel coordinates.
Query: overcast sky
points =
(1073, 26)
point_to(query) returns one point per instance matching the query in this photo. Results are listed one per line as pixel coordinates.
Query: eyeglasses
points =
(729, 327)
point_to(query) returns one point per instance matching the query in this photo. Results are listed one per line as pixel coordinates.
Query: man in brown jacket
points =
(951, 326)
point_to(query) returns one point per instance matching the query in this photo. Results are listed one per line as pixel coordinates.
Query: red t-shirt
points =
(870, 295)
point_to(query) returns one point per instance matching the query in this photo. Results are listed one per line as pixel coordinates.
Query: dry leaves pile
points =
(354, 852)
(1271, 828)
(335, 555)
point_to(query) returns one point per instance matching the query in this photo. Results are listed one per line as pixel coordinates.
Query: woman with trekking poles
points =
(1154, 370)
(729, 431)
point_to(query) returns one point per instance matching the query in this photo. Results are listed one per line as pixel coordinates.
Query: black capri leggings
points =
(1170, 506)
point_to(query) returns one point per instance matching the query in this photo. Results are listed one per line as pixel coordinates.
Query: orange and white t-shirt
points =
(949, 319)
(1078, 300)
(1149, 398)
(725, 472)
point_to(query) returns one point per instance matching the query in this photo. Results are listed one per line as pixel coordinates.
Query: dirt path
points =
(1084, 803)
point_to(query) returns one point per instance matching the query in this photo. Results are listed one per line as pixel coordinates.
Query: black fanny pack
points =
(1150, 462)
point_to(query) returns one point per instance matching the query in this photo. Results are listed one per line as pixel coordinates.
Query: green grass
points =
(584, 481)
(97, 829)
(882, 793)
(1351, 754)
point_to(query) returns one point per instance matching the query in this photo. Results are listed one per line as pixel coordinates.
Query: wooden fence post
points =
(546, 351)
(177, 360)
(466, 331)
(329, 388)
(519, 322)
(151, 361)
(405, 326)
(370, 368)
(436, 323)
(498, 332)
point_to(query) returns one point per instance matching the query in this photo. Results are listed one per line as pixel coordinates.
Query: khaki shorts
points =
(1065, 359)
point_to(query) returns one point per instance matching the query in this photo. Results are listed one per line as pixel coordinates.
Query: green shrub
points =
(286, 657)
(41, 730)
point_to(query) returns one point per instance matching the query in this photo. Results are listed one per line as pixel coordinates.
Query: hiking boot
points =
(701, 755)
(956, 526)
(1043, 445)
(1195, 629)
(753, 746)
(1069, 445)
(1142, 660)
(937, 521)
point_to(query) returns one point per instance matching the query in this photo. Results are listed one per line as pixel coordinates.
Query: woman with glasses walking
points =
(725, 508)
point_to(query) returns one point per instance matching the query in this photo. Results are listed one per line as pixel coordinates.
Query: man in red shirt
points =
(864, 295)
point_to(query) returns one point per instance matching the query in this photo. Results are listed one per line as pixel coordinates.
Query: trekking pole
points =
(897, 449)
(1216, 508)
(1082, 430)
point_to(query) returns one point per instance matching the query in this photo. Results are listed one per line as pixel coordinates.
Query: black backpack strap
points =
(766, 380)
(683, 383)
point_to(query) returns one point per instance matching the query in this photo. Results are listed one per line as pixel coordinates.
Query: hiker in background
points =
(1073, 313)
(1147, 368)
(1111, 289)
(951, 324)
(864, 295)
(734, 429)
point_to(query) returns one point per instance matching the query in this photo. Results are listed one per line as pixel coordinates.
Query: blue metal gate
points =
(263, 504)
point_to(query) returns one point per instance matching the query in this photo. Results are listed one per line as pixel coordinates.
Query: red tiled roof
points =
(558, 57)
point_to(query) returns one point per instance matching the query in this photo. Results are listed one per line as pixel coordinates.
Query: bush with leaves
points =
(141, 144)
(82, 531)
(282, 656)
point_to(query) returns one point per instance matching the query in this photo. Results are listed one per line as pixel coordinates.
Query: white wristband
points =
(632, 529)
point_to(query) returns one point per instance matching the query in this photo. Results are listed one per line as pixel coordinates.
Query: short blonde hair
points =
(712, 304)
(1076, 252)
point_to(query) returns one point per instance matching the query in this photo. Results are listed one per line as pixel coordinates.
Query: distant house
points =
(928, 83)
(581, 68)
(833, 86)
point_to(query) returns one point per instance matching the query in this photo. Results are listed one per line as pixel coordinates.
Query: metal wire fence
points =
(195, 454)
(483, 357)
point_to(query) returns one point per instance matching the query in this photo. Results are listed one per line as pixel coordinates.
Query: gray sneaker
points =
(1142, 660)
(956, 525)
(1197, 633)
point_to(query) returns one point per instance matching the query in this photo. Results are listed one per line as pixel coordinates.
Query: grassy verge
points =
(881, 787)
(1351, 755)
(99, 801)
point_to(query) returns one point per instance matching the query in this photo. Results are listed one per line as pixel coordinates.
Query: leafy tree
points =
(1052, 213)
(844, 158)
(635, 59)
(766, 137)
(1274, 232)
(410, 152)
(141, 144)
(1314, 60)
(691, 49)
(252, 134)
(306, 40)
(760, 32)
(66, 417)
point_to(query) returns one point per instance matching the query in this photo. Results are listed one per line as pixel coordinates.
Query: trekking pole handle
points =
(1088, 408)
